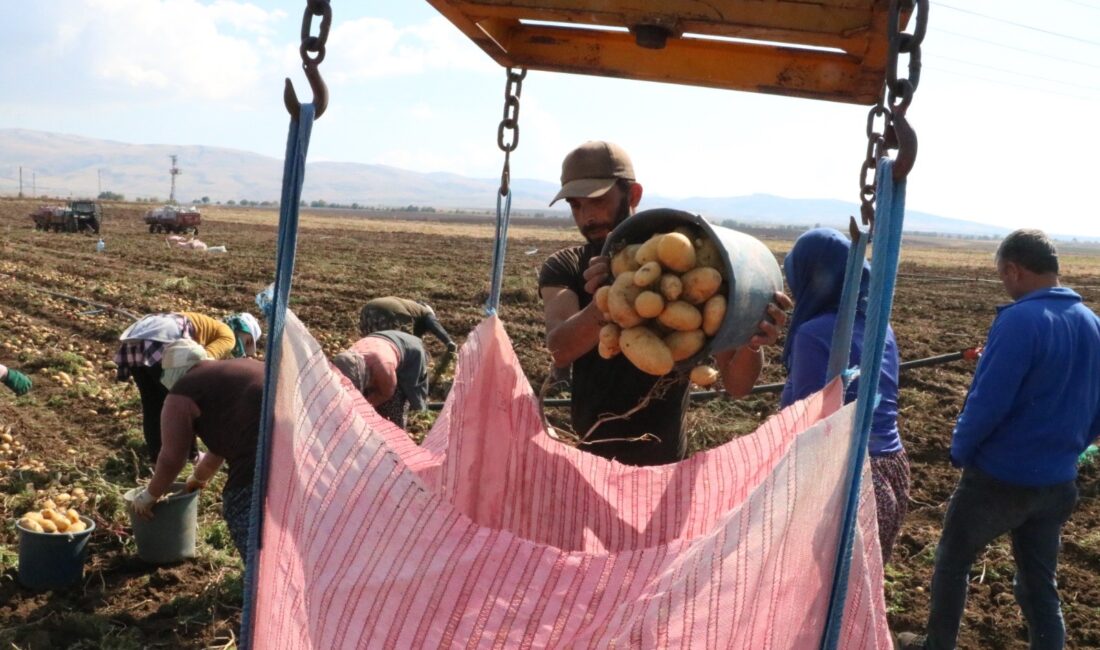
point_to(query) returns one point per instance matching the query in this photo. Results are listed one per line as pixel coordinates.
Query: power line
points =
(1020, 25)
(1002, 82)
(1021, 74)
(1019, 49)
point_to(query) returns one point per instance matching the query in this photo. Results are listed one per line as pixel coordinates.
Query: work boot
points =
(909, 641)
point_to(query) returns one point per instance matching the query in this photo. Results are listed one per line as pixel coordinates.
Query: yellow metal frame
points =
(821, 49)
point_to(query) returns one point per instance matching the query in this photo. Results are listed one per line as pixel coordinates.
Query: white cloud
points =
(369, 48)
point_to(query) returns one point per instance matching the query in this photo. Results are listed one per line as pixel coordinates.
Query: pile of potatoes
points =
(56, 515)
(666, 301)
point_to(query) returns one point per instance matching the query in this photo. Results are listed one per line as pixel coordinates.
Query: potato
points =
(647, 274)
(600, 297)
(671, 286)
(647, 252)
(48, 504)
(676, 252)
(707, 254)
(624, 260)
(78, 527)
(620, 300)
(700, 284)
(681, 316)
(713, 312)
(704, 375)
(649, 304)
(31, 524)
(47, 526)
(646, 351)
(72, 515)
(607, 351)
(33, 514)
(609, 334)
(78, 492)
(684, 345)
(62, 524)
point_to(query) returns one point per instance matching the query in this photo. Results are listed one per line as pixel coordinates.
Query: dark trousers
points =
(153, 393)
(982, 509)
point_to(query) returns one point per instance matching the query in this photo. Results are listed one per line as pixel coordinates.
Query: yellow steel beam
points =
(852, 71)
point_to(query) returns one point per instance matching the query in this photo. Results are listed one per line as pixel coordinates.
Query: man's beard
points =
(620, 216)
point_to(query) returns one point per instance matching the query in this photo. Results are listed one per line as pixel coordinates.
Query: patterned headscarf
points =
(179, 357)
(815, 272)
(243, 323)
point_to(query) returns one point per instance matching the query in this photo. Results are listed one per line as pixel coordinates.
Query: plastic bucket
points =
(52, 560)
(170, 535)
(751, 272)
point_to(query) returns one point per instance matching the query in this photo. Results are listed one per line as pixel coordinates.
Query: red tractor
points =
(174, 219)
(57, 218)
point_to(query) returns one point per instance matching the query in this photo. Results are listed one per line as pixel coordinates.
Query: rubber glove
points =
(19, 383)
(143, 503)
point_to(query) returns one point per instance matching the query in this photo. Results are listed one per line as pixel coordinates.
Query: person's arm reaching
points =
(431, 323)
(571, 331)
(741, 367)
(177, 420)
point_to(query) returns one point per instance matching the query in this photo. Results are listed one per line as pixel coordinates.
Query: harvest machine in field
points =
(174, 219)
(78, 216)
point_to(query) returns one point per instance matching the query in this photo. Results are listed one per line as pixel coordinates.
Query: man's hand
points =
(143, 503)
(451, 346)
(193, 483)
(595, 276)
(768, 329)
(19, 383)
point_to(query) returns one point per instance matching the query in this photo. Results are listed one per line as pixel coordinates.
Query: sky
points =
(1005, 111)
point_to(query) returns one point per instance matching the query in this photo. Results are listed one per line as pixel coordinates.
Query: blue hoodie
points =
(1033, 406)
(815, 272)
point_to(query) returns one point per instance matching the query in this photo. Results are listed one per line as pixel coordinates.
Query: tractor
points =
(174, 219)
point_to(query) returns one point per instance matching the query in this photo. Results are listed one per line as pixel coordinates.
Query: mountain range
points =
(64, 165)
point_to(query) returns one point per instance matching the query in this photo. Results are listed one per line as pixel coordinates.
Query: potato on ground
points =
(700, 284)
(649, 304)
(646, 350)
(684, 345)
(676, 252)
(681, 316)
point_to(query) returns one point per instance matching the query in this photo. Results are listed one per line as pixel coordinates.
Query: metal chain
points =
(510, 123)
(315, 44)
(892, 105)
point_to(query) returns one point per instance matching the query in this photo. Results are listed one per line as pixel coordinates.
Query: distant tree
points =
(354, 206)
(302, 203)
(231, 202)
(205, 200)
(318, 204)
(110, 196)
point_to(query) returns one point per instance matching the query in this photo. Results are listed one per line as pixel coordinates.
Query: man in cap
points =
(1033, 407)
(598, 182)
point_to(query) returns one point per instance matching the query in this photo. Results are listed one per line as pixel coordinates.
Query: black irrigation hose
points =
(704, 395)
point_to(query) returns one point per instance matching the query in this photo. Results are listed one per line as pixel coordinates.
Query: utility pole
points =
(20, 181)
(175, 171)
(99, 181)
(34, 184)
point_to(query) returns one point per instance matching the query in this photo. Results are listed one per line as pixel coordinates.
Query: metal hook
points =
(320, 93)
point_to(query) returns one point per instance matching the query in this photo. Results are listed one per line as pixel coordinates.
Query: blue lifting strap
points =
(889, 215)
(500, 245)
(294, 170)
(840, 347)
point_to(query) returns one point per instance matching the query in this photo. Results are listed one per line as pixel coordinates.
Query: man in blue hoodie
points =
(1032, 409)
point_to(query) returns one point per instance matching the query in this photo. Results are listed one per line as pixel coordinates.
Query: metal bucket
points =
(751, 272)
(52, 560)
(170, 535)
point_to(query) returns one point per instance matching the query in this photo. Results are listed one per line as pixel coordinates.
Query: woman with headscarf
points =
(143, 345)
(219, 403)
(815, 272)
(390, 369)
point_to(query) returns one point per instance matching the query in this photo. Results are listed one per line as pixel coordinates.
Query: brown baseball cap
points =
(592, 169)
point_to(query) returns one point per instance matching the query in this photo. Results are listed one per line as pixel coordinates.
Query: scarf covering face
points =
(815, 273)
(243, 323)
(354, 367)
(179, 357)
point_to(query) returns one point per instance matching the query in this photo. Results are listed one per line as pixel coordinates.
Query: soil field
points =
(62, 306)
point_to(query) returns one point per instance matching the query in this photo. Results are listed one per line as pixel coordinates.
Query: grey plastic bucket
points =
(52, 560)
(752, 274)
(170, 535)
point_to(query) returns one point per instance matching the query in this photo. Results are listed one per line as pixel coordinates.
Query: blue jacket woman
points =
(815, 272)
